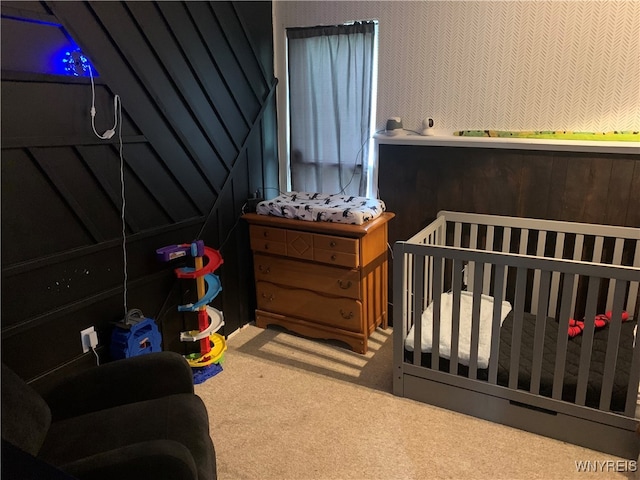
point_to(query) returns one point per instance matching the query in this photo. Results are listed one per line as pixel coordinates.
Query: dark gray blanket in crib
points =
(574, 346)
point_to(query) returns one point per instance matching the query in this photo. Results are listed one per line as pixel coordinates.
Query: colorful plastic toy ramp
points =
(206, 366)
(218, 347)
(214, 260)
(206, 363)
(213, 288)
(171, 252)
(216, 322)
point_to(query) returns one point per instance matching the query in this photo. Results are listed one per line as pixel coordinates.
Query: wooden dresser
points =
(321, 279)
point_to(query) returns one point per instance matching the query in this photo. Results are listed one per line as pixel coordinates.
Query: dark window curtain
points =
(330, 81)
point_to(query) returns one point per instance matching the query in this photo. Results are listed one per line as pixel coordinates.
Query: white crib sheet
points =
(323, 207)
(464, 337)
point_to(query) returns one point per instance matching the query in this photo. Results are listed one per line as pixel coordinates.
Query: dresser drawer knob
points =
(266, 246)
(265, 233)
(346, 316)
(332, 244)
(264, 270)
(269, 298)
(333, 258)
(344, 285)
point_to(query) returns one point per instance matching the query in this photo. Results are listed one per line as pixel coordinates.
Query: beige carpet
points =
(286, 407)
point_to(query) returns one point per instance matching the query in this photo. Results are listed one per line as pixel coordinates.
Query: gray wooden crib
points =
(536, 322)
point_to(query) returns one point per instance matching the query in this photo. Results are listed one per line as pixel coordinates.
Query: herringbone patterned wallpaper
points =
(514, 65)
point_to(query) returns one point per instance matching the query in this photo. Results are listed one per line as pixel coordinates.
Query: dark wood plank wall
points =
(416, 182)
(199, 137)
(569, 186)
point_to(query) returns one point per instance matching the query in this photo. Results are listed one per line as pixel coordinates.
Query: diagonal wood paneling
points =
(199, 137)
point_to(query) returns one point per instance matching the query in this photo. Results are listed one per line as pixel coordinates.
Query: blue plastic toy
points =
(135, 337)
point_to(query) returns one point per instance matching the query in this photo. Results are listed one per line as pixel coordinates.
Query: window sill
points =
(448, 140)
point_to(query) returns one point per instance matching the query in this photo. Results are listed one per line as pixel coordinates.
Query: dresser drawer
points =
(267, 239)
(335, 244)
(336, 258)
(328, 249)
(258, 232)
(336, 250)
(335, 281)
(344, 313)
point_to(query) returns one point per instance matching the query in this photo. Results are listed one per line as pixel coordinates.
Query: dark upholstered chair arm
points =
(17, 463)
(124, 381)
(157, 459)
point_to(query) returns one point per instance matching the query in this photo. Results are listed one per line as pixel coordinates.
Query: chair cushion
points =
(181, 418)
(155, 459)
(128, 380)
(25, 415)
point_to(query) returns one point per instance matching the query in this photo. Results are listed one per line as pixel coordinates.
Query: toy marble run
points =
(210, 320)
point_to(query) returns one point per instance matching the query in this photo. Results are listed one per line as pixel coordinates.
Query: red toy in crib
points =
(602, 320)
(575, 327)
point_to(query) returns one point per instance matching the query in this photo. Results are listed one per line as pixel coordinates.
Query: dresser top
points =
(342, 229)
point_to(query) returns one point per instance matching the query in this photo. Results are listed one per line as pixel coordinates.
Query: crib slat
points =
(563, 340)
(495, 331)
(555, 277)
(400, 314)
(518, 309)
(633, 286)
(538, 341)
(612, 346)
(577, 255)
(587, 340)
(524, 241)
(617, 260)
(542, 240)
(437, 296)
(506, 239)
(473, 244)
(418, 302)
(506, 245)
(404, 292)
(487, 266)
(475, 321)
(633, 395)
(426, 284)
(428, 281)
(441, 233)
(455, 317)
(597, 249)
(457, 234)
(407, 289)
(473, 236)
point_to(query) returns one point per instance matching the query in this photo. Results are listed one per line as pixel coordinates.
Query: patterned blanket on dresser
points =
(323, 207)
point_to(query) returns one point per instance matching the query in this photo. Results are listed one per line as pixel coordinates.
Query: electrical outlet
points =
(85, 338)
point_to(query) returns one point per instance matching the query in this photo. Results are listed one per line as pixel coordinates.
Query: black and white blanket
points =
(323, 207)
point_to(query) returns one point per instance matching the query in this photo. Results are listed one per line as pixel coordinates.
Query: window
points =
(331, 79)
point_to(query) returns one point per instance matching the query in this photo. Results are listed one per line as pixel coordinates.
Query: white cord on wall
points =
(117, 124)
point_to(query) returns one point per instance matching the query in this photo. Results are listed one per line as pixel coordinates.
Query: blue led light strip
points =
(75, 63)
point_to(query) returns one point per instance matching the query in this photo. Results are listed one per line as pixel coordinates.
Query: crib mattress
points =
(323, 207)
(574, 345)
(572, 364)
